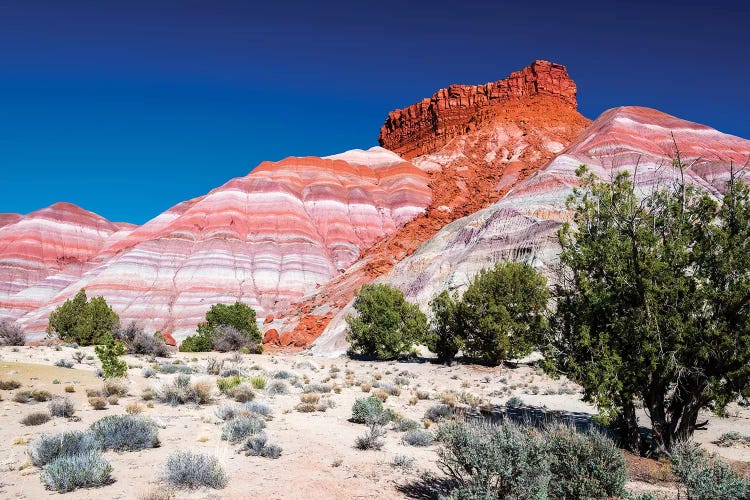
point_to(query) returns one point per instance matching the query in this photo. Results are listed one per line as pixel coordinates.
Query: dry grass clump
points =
(36, 418)
(70, 389)
(134, 409)
(306, 407)
(9, 385)
(114, 399)
(381, 395)
(98, 402)
(182, 391)
(366, 387)
(311, 398)
(449, 398)
(115, 387)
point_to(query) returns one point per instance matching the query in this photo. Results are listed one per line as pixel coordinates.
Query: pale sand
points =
(312, 442)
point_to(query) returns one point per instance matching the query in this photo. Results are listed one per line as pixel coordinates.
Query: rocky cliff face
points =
(426, 126)
(265, 239)
(531, 117)
(524, 223)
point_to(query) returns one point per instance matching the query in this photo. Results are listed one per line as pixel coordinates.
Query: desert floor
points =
(318, 459)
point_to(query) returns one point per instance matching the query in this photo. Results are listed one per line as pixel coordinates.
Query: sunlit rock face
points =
(523, 224)
(476, 142)
(265, 239)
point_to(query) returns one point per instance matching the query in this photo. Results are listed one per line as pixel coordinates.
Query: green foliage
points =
(387, 326)
(444, 337)
(243, 332)
(108, 353)
(584, 465)
(81, 321)
(503, 312)
(365, 408)
(653, 303)
(704, 477)
(485, 461)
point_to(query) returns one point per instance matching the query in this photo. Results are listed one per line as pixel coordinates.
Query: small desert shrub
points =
(276, 387)
(241, 427)
(381, 395)
(372, 439)
(82, 470)
(47, 448)
(405, 424)
(731, 438)
(148, 372)
(9, 385)
(258, 382)
(423, 395)
(214, 366)
(182, 391)
(61, 407)
(11, 334)
(417, 437)
(98, 403)
(147, 395)
(438, 412)
(36, 418)
(184, 469)
(134, 409)
(259, 408)
(306, 407)
(365, 408)
(403, 461)
(228, 411)
(448, 398)
(170, 368)
(488, 461)
(309, 398)
(113, 399)
(366, 387)
(226, 384)
(22, 397)
(228, 338)
(126, 432)
(319, 388)
(401, 380)
(514, 402)
(160, 492)
(704, 476)
(284, 375)
(137, 341)
(64, 363)
(115, 387)
(305, 365)
(258, 445)
(70, 389)
(40, 395)
(242, 393)
(390, 389)
(584, 465)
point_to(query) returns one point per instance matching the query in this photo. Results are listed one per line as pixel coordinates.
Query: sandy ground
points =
(318, 460)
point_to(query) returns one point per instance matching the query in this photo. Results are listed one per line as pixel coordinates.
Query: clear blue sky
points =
(128, 107)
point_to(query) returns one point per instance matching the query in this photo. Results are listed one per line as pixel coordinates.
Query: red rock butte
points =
(429, 124)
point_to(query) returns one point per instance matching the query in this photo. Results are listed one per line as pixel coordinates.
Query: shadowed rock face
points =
(266, 239)
(524, 223)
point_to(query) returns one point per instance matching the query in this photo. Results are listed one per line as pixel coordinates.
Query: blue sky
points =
(126, 108)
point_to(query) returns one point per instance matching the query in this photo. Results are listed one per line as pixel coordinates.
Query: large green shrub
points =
(503, 312)
(653, 303)
(81, 321)
(445, 337)
(386, 325)
(227, 327)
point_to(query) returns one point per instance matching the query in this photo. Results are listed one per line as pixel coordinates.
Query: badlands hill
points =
(523, 224)
(296, 238)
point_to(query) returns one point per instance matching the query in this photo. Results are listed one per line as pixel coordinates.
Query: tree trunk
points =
(627, 425)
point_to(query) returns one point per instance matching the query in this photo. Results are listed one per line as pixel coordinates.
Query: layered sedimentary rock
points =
(524, 223)
(265, 239)
(533, 118)
(45, 242)
(426, 126)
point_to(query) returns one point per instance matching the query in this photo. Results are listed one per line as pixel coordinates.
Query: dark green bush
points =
(386, 325)
(81, 321)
